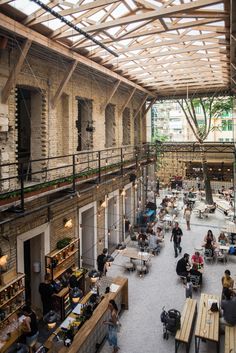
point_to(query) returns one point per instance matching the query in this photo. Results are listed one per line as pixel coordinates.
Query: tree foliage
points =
(212, 108)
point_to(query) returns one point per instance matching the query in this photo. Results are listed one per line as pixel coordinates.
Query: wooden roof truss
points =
(166, 46)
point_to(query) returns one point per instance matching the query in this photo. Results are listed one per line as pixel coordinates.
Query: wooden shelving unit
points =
(12, 297)
(58, 261)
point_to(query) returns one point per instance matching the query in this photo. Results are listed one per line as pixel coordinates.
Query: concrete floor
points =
(142, 330)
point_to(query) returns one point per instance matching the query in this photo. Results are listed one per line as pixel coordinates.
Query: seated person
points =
(228, 307)
(197, 259)
(142, 239)
(222, 239)
(209, 236)
(212, 208)
(194, 271)
(183, 265)
(209, 249)
(153, 243)
(159, 234)
(227, 282)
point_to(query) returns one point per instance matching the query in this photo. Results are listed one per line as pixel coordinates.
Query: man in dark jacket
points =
(176, 236)
(182, 267)
(101, 262)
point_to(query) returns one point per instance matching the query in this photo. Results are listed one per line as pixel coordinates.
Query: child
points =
(188, 288)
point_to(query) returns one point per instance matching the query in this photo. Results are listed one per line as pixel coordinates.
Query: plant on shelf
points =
(63, 242)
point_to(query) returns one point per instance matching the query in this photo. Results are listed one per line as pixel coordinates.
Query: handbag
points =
(214, 307)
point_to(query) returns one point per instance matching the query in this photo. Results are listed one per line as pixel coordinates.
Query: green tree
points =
(212, 107)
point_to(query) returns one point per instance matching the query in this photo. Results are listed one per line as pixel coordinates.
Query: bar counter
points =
(93, 331)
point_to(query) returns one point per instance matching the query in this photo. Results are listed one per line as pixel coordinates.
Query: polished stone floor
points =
(142, 330)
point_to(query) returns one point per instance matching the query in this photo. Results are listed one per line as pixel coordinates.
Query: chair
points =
(141, 269)
(208, 255)
(222, 257)
(129, 266)
(195, 281)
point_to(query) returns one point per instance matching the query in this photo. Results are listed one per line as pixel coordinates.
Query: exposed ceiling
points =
(169, 47)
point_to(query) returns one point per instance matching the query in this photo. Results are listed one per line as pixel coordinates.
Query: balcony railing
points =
(22, 179)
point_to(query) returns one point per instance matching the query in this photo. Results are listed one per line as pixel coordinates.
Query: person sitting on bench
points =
(183, 266)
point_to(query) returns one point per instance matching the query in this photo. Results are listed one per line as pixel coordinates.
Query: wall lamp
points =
(67, 222)
(3, 261)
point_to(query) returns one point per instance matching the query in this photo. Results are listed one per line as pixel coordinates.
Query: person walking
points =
(101, 262)
(46, 291)
(113, 323)
(176, 237)
(187, 215)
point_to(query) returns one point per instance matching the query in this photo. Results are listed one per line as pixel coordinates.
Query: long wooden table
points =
(207, 326)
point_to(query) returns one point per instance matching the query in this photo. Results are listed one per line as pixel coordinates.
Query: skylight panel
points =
(26, 6)
(120, 11)
(54, 24)
(97, 16)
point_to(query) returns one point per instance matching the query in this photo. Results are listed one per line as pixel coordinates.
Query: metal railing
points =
(20, 179)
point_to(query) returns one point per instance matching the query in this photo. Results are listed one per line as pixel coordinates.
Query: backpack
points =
(232, 250)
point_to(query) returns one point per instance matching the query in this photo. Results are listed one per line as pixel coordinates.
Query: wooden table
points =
(230, 228)
(207, 326)
(201, 209)
(137, 255)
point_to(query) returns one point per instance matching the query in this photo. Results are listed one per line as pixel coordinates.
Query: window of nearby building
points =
(227, 125)
(221, 140)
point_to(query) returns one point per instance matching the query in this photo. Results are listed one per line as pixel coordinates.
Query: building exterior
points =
(169, 123)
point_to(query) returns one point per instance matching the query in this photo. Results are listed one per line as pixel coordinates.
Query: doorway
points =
(29, 111)
(84, 124)
(112, 224)
(88, 235)
(32, 247)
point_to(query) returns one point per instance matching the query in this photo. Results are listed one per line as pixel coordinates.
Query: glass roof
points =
(147, 35)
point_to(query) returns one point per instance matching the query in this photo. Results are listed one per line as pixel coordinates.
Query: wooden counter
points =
(94, 331)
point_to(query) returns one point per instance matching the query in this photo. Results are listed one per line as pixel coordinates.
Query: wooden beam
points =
(103, 106)
(140, 106)
(40, 12)
(20, 30)
(76, 9)
(127, 101)
(181, 25)
(192, 48)
(149, 106)
(162, 12)
(15, 70)
(63, 83)
(167, 43)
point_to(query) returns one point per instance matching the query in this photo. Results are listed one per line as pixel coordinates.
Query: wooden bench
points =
(230, 339)
(184, 334)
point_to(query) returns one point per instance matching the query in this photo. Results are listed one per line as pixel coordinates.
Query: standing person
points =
(113, 325)
(30, 325)
(46, 291)
(101, 262)
(176, 236)
(187, 215)
(198, 183)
